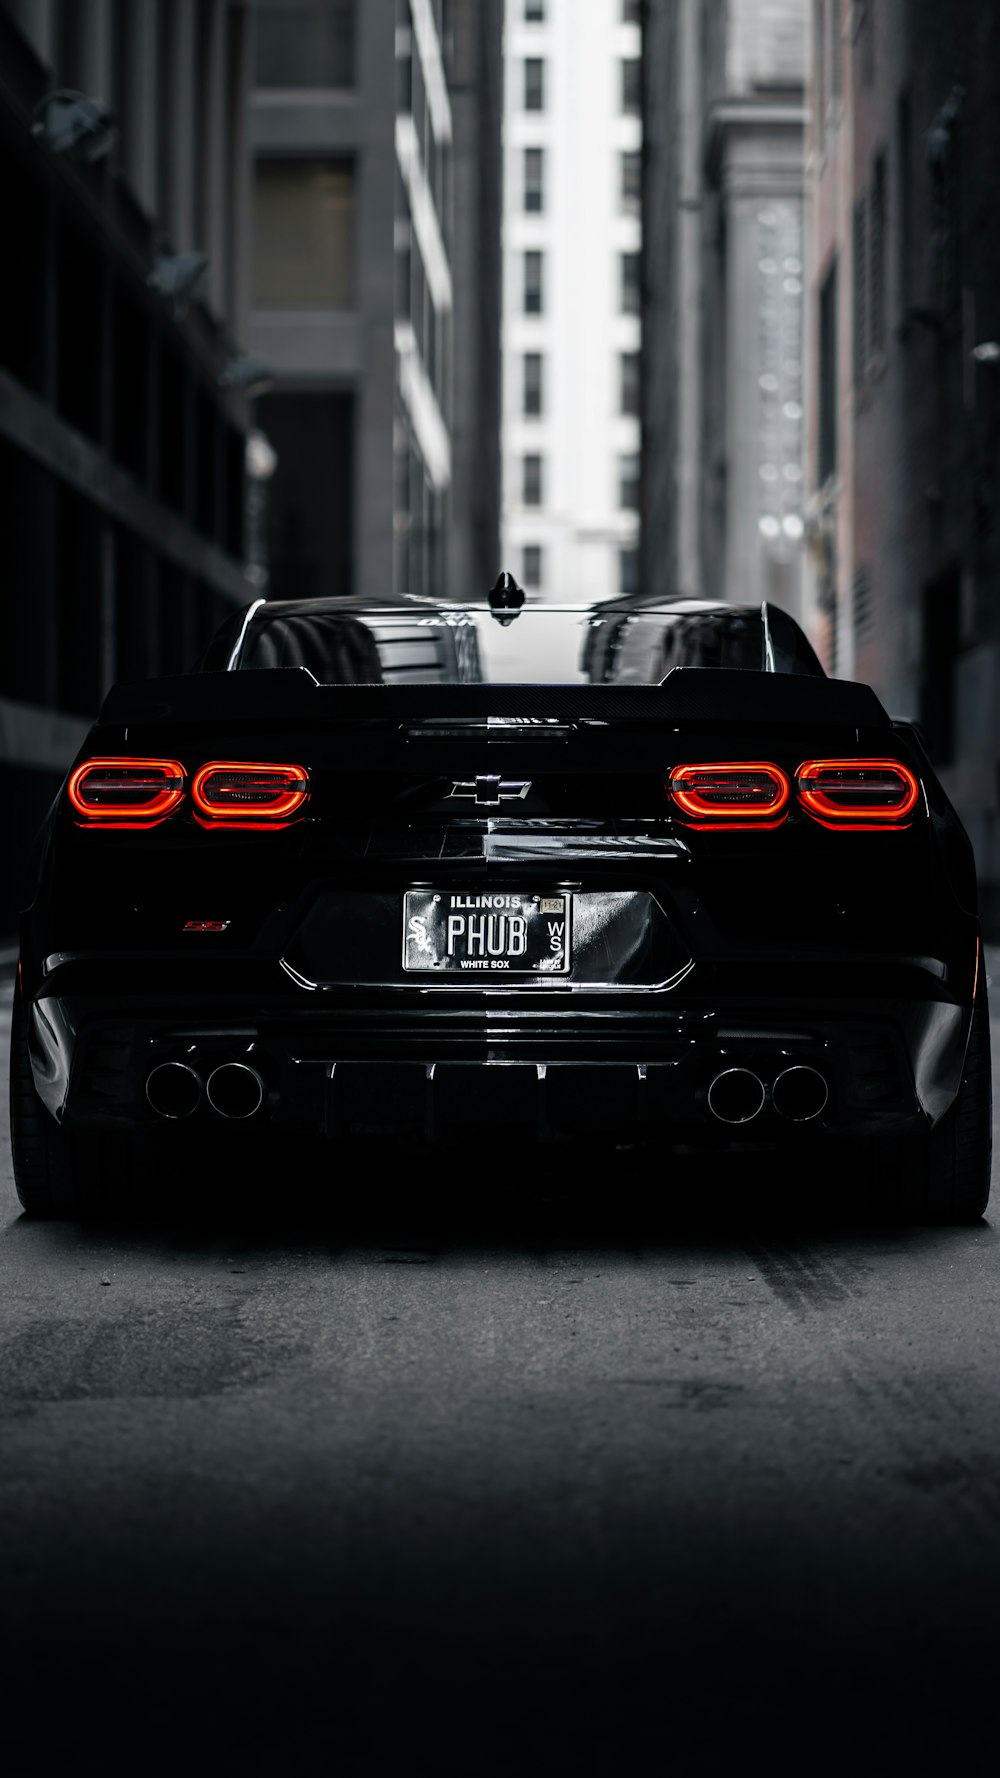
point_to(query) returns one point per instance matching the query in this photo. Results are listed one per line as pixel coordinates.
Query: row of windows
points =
(884, 235)
(533, 569)
(533, 389)
(535, 12)
(869, 273)
(629, 181)
(533, 480)
(829, 20)
(533, 289)
(630, 84)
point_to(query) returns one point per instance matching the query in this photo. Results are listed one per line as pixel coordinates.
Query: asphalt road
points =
(392, 1484)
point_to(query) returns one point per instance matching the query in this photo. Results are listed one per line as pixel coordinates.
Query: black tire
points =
(46, 1181)
(955, 1160)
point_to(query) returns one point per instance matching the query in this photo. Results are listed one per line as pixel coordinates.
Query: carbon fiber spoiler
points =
(721, 697)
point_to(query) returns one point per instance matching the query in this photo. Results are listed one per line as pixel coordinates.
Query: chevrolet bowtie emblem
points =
(489, 791)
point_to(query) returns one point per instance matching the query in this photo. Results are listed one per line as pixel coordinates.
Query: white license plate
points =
(457, 932)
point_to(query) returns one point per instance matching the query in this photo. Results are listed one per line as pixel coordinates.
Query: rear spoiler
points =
(711, 695)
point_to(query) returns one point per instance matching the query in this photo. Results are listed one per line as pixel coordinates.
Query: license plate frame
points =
(434, 947)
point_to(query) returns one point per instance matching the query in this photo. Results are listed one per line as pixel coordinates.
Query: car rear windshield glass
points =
(545, 645)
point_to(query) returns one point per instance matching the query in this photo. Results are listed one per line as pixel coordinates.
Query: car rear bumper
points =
(550, 1073)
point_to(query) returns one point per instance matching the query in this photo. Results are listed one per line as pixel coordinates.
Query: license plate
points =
(458, 933)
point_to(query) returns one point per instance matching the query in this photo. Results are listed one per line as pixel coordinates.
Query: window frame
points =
(533, 93)
(532, 290)
(532, 479)
(530, 188)
(630, 384)
(532, 386)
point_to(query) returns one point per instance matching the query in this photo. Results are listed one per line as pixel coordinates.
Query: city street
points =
(480, 1488)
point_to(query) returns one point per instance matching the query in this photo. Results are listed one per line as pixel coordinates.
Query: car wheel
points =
(954, 1163)
(43, 1163)
(55, 1175)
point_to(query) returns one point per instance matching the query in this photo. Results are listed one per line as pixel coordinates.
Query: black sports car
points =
(640, 874)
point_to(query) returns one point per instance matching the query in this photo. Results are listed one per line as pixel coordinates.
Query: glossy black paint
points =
(851, 952)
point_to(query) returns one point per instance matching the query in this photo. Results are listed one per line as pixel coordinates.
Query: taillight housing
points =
(248, 793)
(131, 793)
(865, 794)
(731, 793)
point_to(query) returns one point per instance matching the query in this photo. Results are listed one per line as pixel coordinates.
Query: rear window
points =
(545, 644)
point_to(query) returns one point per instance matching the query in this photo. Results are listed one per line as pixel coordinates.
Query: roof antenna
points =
(506, 598)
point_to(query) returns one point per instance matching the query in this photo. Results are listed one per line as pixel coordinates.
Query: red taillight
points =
(728, 793)
(866, 793)
(247, 793)
(126, 792)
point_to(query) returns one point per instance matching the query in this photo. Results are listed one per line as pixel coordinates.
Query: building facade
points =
(571, 329)
(375, 130)
(903, 459)
(723, 299)
(122, 425)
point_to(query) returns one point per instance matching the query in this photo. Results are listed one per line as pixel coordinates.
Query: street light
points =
(246, 375)
(70, 123)
(262, 458)
(178, 275)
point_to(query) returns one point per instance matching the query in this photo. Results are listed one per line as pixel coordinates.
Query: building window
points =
(864, 38)
(534, 12)
(938, 702)
(531, 483)
(307, 44)
(628, 481)
(876, 256)
(404, 72)
(827, 377)
(533, 383)
(819, 70)
(944, 154)
(860, 243)
(303, 235)
(630, 382)
(632, 85)
(628, 573)
(904, 181)
(861, 604)
(534, 180)
(534, 296)
(631, 181)
(531, 565)
(630, 283)
(534, 84)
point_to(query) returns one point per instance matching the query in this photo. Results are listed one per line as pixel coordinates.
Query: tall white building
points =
(572, 229)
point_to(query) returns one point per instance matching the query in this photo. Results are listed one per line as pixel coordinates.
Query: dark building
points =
(904, 458)
(722, 299)
(122, 440)
(376, 136)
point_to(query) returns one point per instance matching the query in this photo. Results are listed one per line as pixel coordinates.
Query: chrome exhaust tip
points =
(235, 1090)
(736, 1096)
(173, 1089)
(800, 1094)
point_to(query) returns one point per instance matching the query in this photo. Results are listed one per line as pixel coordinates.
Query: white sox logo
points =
(419, 934)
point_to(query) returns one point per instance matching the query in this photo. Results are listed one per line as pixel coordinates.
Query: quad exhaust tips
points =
(174, 1090)
(234, 1090)
(737, 1095)
(800, 1094)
